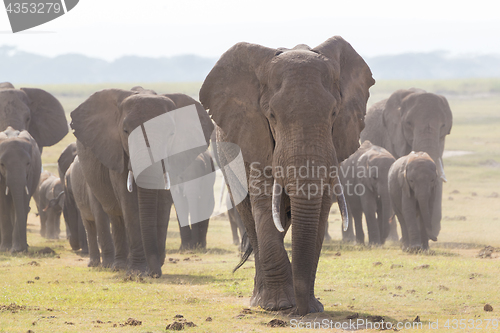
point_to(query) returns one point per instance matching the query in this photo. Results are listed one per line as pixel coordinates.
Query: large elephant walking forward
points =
(20, 166)
(412, 120)
(289, 110)
(102, 126)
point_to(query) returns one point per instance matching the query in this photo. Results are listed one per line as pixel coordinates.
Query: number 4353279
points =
(31, 7)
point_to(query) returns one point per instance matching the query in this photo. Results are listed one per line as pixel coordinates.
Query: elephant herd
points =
(296, 115)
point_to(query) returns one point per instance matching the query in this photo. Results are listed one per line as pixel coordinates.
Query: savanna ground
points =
(58, 293)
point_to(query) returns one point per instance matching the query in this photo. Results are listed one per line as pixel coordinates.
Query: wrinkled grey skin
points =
(102, 125)
(194, 236)
(94, 218)
(413, 181)
(20, 166)
(75, 230)
(235, 221)
(34, 110)
(286, 108)
(366, 172)
(412, 120)
(49, 198)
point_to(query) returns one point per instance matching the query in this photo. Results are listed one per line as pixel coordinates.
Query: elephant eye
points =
(126, 131)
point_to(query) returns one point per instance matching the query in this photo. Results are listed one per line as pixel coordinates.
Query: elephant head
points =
(20, 166)
(287, 108)
(34, 110)
(418, 179)
(103, 124)
(418, 121)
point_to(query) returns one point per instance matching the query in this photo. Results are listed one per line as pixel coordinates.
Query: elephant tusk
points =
(276, 206)
(27, 191)
(441, 170)
(222, 190)
(342, 206)
(166, 177)
(130, 180)
(6, 190)
(343, 210)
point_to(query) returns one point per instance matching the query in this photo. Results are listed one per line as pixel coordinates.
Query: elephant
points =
(75, 230)
(49, 199)
(95, 220)
(196, 194)
(102, 125)
(34, 110)
(412, 120)
(413, 183)
(20, 168)
(364, 177)
(287, 110)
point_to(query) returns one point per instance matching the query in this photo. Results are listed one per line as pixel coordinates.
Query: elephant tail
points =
(246, 254)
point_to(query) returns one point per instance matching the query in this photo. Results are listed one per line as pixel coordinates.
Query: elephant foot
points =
(4, 248)
(119, 265)
(281, 298)
(314, 306)
(18, 249)
(107, 262)
(139, 269)
(94, 262)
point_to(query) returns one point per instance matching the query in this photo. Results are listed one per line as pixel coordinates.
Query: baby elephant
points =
(50, 201)
(412, 182)
(364, 177)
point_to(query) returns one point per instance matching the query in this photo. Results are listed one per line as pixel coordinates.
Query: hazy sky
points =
(113, 28)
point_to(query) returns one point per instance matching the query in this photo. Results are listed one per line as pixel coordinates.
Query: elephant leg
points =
(137, 263)
(5, 225)
(103, 235)
(314, 304)
(369, 207)
(393, 230)
(186, 236)
(164, 208)
(82, 236)
(276, 291)
(201, 234)
(357, 215)
(43, 224)
(95, 257)
(234, 227)
(120, 242)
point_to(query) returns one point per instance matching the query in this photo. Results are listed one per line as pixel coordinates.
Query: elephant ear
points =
(182, 100)
(363, 162)
(48, 124)
(402, 180)
(231, 93)
(96, 123)
(355, 79)
(392, 120)
(66, 158)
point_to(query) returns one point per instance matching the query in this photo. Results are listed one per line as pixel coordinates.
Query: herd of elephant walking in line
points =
(283, 108)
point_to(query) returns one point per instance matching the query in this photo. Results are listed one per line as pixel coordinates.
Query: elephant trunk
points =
(305, 220)
(148, 215)
(20, 200)
(425, 215)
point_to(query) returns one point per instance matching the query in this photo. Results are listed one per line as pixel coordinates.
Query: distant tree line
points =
(24, 67)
